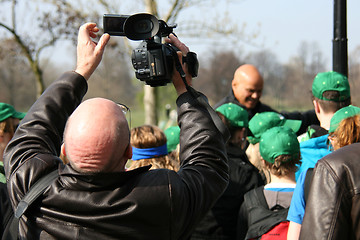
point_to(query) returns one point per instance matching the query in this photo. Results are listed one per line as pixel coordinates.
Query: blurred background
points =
(289, 41)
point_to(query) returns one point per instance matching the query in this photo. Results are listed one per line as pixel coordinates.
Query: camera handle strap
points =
(216, 119)
(12, 230)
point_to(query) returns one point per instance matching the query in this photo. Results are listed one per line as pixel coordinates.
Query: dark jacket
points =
(5, 208)
(138, 204)
(220, 221)
(307, 118)
(333, 207)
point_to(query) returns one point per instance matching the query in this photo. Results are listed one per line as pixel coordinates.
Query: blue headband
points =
(145, 153)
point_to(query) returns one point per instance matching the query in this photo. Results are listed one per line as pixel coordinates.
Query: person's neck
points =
(283, 179)
(325, 119)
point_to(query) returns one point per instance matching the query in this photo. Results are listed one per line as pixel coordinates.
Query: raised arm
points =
(204, 170)
(41, 131)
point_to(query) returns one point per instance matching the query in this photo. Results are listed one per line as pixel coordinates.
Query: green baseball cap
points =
(279, 141)
(6, 111)
(173, 137)
(331, 81)
(237, 116)
(266, 120)
(342, 114)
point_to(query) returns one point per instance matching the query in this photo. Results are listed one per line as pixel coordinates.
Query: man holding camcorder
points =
(93, 196)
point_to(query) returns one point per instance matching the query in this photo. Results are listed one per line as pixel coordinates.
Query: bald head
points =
(247, 85)
(96, 137)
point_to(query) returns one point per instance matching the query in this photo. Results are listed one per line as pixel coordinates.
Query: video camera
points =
(152, 60)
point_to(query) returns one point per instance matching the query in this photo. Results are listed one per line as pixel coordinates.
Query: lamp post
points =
(340, 50)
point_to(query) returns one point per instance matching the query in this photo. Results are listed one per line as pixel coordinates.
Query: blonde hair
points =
(148, 136)
(7, 126)
(347, 132)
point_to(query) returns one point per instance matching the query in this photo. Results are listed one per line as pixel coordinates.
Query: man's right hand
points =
(177, 81)
(89, 53)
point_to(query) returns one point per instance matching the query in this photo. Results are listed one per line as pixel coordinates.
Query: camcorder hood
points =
(141, 26)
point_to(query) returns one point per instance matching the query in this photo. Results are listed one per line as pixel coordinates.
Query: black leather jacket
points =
(138, 204)
(333, 207)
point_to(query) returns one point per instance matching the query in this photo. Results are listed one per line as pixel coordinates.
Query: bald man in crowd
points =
(247, 86)
(93, 196)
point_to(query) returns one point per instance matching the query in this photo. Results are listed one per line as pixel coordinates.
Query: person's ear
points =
(263, 162)
(233, 83)
(244, 132)
(128, 152)
(63, 152)
(316, 106)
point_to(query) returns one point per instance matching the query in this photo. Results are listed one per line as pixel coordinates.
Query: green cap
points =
(266, 120)
(279, 141)
(342, 114)
(331, 81)
(173, 137)
(6, 111)
(237, 116)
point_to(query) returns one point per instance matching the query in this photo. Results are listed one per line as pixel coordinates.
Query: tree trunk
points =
(150, 105)
(39, 80)
(150, 93)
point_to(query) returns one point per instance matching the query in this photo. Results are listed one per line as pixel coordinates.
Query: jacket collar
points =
(73, 179)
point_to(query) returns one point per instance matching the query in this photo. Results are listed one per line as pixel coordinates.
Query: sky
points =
(282, 25)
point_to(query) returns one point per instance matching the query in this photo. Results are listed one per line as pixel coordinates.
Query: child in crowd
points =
(267, 206)
(149, 148)
(259, 124)
(9, 119)
(172, 142)
(332, 205)
(345, 127)
(220, 221)
(344, 130)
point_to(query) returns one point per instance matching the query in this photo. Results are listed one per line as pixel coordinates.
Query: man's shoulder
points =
(262, 107)
(345, 158)
(229, 98)
(342, 166)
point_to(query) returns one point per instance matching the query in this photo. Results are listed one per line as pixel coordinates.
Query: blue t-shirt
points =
(297, 206)
(280, 187)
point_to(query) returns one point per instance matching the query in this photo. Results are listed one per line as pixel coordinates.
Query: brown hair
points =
(347, 132)
(148, 136)
(330, 106)
(283, 165)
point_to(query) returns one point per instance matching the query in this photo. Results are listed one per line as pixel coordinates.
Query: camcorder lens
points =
(143, 26)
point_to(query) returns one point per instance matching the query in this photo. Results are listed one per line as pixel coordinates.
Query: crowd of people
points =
(292, 175)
